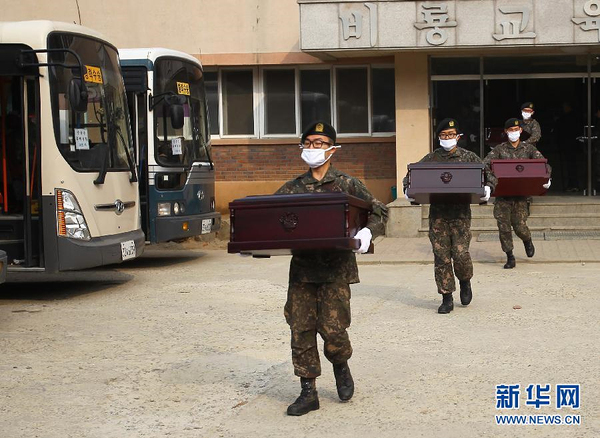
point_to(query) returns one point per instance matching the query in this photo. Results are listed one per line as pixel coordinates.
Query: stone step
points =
(575, 213)
(539, 209)
(584, 221)
(477, 230)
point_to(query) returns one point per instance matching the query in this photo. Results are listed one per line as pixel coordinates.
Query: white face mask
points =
(514, 136)
(448, 144)
(526, 116)
(316, 157)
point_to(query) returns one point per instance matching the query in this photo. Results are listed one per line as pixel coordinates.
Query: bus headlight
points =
(176, 207)
(70, 220)
(164, 209)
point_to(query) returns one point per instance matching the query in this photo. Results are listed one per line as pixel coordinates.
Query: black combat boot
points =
(510, 260)
(308, 400)
(447, 304)
(529, 248)
(466, 293)
(343, 381)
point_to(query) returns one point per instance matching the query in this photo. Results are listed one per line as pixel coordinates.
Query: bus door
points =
(20, 169)
(136, 86)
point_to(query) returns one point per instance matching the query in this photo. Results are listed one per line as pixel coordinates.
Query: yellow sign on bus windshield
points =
(183, 88)
(93, 74)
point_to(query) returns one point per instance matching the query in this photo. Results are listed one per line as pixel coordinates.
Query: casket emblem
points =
(289, 221)
(520, 168)
(446, 177)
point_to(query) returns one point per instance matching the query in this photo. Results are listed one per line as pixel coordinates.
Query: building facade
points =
(383, 72)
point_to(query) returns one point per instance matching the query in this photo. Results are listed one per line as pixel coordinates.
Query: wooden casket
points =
(520, 177)
(292, 224)
(447, 183)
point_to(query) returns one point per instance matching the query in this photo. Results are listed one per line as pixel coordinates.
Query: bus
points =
(169, 119)
(69, 192)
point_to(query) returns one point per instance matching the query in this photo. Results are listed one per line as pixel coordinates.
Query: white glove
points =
(409, 199)
(547, 185)
(488, 193)
(365, 237)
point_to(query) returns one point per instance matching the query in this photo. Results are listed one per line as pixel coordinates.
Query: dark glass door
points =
(560, 109)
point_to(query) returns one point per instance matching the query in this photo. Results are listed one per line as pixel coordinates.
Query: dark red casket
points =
(448, 183)
(520, 177)
(291, 224)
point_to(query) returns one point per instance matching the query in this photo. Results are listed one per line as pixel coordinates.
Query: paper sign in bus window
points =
(82, 141)
(93, 74)
(183, 88)
(176, 146)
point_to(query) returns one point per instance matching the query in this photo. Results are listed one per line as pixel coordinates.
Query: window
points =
(211, 81)
(100, 135)
(183, 146)
(315, 96)
(384, 100)
(238, 102)
(280, 101)
(352, 100)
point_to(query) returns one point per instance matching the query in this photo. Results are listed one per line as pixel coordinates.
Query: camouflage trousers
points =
(450, 240)
(511, 212)
(322, 308)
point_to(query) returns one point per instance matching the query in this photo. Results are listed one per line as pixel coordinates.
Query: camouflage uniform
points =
(512, 210)
(319, 283)
(533, 128)
(450, 227)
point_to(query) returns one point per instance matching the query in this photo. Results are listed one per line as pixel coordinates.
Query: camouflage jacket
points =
(459, 155)
(506, 151)
(533, 128)
(332, 267)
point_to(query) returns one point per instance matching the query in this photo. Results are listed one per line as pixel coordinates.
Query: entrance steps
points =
(560, 216)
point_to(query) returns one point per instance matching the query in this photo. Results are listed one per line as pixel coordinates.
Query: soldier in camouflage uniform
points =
(319, 283)
(450, 224)
(513, 210)
(530, 125)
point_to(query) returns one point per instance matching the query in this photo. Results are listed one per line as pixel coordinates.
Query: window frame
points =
(263, 106)
(381, 66)
(331, 101)
(255, 101)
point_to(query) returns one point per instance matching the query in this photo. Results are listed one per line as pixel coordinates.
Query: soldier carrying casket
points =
(513, 210)
(319, 283)
(450, 223)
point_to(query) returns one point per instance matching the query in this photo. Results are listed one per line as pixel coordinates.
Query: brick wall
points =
(375, 159)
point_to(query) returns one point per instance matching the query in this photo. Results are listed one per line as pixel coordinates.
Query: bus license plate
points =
(206, 225)
(127, 250)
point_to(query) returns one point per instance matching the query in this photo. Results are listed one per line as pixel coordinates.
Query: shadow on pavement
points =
(160, 258)
(61, 286)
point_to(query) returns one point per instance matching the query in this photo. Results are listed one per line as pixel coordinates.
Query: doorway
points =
(20, 172)
(561, 111)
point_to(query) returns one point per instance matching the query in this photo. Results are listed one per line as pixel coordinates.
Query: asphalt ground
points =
(193, 343)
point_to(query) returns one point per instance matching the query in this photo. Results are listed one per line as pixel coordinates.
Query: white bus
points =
(169, 115)
(68, 193)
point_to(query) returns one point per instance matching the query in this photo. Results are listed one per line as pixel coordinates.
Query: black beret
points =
(527, 105)
(319, 128)
(512, 122)
(447, 124)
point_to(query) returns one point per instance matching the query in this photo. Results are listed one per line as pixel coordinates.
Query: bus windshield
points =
(98, 138)
(180, 147)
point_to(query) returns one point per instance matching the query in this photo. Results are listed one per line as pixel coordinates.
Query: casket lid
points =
(304, 199)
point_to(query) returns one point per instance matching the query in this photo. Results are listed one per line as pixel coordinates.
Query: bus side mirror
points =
(177, 116)
(78, 95)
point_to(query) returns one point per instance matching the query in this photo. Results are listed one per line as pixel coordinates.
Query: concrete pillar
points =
(412, 111)
(412, 135)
